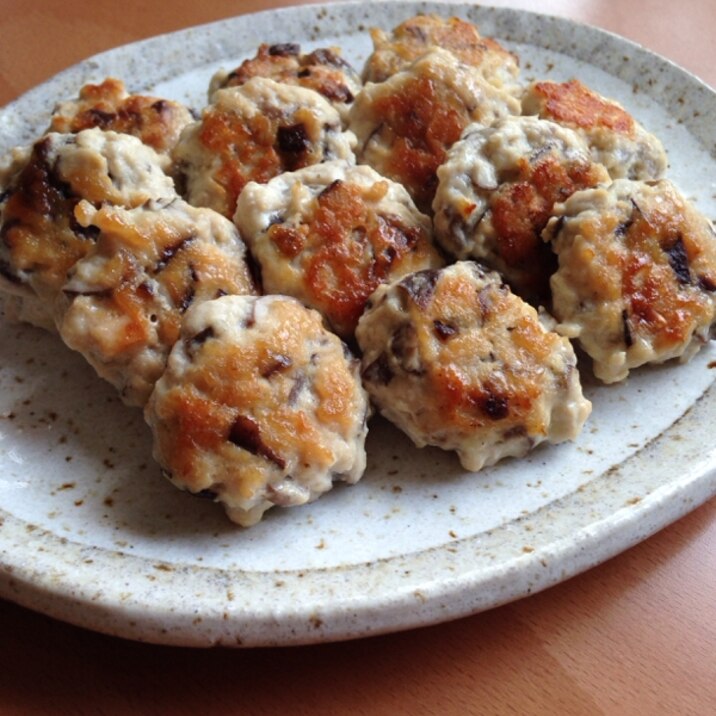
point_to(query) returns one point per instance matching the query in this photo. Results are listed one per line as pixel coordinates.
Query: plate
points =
(92, 534)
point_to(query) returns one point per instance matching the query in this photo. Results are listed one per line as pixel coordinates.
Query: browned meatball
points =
(260, 406)
(253, 133)
(156, 122)
(413, 38)
(323, 70)
(637, 275)
(124, 301)
(329, 234)
(456, 360)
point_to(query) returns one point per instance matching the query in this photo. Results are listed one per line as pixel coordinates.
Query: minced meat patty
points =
(615, 138)
(255, 132)
(155, 121)
(323, 70)
(329, 234)
(636, 281)
(413, 38)
(124, 302)
(260, 406)
(496, 191)
(40, 236)
(456, 360)
(406, 124)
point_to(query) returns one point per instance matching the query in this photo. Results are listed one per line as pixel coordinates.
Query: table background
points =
(635, 635)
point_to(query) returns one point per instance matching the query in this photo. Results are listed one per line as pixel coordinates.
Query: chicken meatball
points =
(422, 33)
(40, 236)
(323, 70)
(406, 124)
(124, 301)
(259, 406)
(329, 234)
(615, 138)
(456, 360)
(496, 191)
(253, 133)
(636, 281)
(157, 122)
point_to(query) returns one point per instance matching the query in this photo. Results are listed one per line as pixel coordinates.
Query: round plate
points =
(91, 533)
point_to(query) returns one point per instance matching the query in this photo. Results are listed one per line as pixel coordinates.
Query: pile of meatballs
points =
(424, 240)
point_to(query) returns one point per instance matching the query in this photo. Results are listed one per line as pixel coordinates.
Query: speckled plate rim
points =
(199, 606)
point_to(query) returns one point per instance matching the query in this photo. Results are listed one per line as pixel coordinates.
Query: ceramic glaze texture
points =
(91, 533)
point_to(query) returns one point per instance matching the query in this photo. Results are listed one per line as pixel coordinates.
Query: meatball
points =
(615, 138)
(456, 360)
(323, 70)
(253, 133)
(636, 277)
(124, 301)
(329, 234)
(157, 122)
(259, 406)
(406, 124)
(40, 236)
(496, 191)
(418, 35)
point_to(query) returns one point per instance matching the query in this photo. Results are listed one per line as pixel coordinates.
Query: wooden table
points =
(635, 635)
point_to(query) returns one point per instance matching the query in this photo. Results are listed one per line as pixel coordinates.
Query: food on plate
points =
(253, 133)
(330, 233)
(496, 191)
(413, 38)
(40, 236)
(636, 281)
(456, 360)
(322, 70)
(123, 303)
(143, 236)
(260, 406)
(107, 105)
(406, 124)
(615, 138)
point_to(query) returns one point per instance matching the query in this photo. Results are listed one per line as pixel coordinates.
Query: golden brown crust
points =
(347, 249)
(260, 405)
(182, 267)
(426, 120)
(521, 208)
(469, 394)
(637, 275)
(419, 34)
(406, 124)
(126, 299)
(575, 105)
(39, 231)
(322, 70)
(247, 379)
(662, 249)
(497, 190)
(40, 238)
(156, 122)
(458, 361)
(253, 133)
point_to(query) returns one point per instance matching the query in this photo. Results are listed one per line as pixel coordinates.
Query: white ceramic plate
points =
(90, 532)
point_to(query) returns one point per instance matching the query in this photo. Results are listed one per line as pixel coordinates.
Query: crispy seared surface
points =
(157, 122)
(261, 405)
(350, 232)
(323, 70)
(126, 299)
(637, 274)
(255, 132)
(416, 36)
(458, 361)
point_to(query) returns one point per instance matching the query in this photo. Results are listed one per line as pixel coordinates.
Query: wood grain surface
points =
(636, 635)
